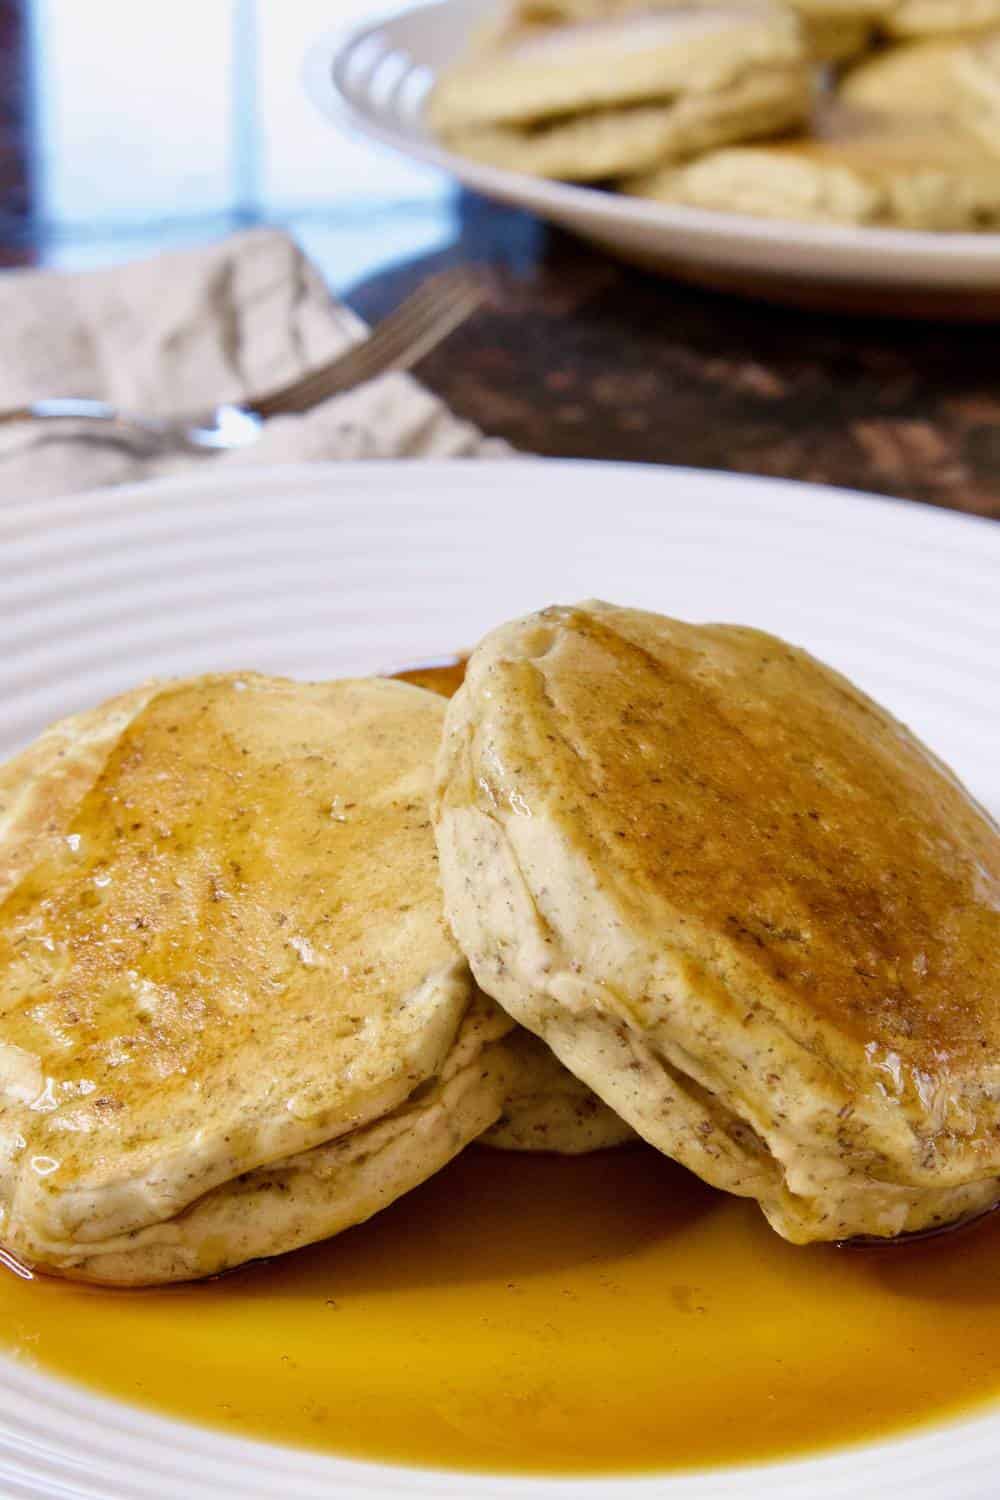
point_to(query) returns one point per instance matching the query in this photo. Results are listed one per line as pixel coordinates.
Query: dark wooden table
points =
(575, 356)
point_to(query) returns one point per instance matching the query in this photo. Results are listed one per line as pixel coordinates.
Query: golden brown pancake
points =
(594, 146)
(232, 1018)
(616, 93)
(888, 167)
(742, 903)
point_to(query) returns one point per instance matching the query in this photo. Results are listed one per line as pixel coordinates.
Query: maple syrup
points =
(444, 678)
(546, 1314)
(605, 1313)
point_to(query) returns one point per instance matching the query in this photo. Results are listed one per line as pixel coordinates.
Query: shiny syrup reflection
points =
(544, 1314)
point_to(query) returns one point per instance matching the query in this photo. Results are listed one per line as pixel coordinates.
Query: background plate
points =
(376, 79)
(321, 570)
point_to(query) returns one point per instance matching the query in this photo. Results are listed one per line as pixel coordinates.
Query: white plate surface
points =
(376, 80)
(331, 569)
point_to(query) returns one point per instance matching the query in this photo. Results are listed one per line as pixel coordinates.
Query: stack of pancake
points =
(598, 98)
(273, 953)
(883, 112)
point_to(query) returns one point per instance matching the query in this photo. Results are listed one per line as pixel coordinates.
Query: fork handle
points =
(224, 427)
(60, 408)
(142, 436)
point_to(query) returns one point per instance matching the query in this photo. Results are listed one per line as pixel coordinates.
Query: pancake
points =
(833, 29)
(833, 20)
(949, 18)
(906, 80)
(916, 170)
(607, 143)
(232, 1018)
(548, 1109)
(532, 73)
(739, 901)
(976, 86)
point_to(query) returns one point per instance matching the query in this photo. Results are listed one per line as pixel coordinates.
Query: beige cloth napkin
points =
(188, 329)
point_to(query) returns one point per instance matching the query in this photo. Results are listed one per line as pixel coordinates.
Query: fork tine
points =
(382, 351)
(404, 349)
(422, 321)
(388, 344)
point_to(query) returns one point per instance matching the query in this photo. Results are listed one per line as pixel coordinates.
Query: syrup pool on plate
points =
(546, 1314)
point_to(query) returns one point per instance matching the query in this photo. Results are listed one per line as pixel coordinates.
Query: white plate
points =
(376, 80)
(319, 570)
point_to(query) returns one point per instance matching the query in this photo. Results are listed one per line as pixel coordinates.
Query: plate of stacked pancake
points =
(499, 988)
(831, 152)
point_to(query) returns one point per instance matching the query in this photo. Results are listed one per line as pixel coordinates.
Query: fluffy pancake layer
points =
(548, 1109)
(221, 948)
(317, 1193)
(739, 901)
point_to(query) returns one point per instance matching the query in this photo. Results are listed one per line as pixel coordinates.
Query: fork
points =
(416, 327)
